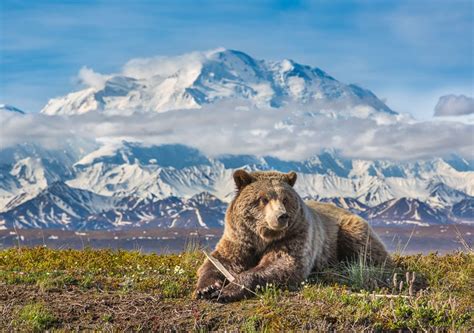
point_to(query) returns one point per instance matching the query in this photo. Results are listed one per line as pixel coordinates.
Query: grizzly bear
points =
(272, 236)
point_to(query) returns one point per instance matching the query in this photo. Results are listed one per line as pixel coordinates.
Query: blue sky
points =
(408, 52)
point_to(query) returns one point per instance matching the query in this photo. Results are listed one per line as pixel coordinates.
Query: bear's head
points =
(266, 202)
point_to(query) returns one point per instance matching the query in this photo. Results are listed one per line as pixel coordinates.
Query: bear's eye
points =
(285, 201)
(263, 200)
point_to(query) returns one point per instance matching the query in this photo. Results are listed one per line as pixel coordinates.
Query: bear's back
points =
(328, 211)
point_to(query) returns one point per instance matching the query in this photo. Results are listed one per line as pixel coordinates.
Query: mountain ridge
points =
(11, 108)
(127, 183)
(208, 77)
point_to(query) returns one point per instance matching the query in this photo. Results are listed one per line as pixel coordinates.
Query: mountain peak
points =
(192, 80)
(287, 64)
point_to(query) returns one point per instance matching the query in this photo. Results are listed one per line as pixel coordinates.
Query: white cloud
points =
(90, 78)
(226, 129)
(140, 68)
(454, 105)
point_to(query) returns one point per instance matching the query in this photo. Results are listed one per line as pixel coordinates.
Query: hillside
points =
(119, 290)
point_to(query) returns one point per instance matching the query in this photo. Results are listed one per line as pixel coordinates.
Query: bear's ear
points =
(242, 178)
(291, 178)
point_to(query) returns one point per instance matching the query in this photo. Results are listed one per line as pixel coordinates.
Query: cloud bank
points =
(454, 105)
(144, 68)
(227, 129)
(90, 78)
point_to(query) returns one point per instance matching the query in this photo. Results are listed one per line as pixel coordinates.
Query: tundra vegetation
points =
(113, 290)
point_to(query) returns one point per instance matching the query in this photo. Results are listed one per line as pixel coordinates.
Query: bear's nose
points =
(283, 218)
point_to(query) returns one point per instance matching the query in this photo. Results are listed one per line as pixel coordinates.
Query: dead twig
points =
(217, 264)
(462, 241)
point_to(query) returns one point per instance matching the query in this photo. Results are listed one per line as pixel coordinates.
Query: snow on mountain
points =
(10, 108)
(160, 85)
(133, 170)
(200, 211)
(58, 206)
(25, 179)
(27, 169)
(130, 169)
(118, 153)
(464, 209)
(406, 211)
(444, 195)
(327, 162)
(350, 204)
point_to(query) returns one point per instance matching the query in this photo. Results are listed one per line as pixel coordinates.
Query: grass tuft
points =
(361, 276)
(36, 317)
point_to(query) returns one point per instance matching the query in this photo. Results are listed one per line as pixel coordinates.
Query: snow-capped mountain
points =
(406, 211)
(58, 206)
(200, 211)
(129, 184)
(444, 195)
(63, 207)
(131, 169)
(27, 169)
(464, 209)
(190, 81)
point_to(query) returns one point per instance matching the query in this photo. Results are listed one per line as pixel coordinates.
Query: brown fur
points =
(272, 236)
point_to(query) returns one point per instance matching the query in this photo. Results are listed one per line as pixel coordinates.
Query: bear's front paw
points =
(231, 293)
(208, 288)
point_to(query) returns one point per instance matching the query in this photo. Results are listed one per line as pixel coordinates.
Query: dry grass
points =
(108, 290)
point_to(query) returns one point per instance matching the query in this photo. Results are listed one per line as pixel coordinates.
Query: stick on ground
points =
(219, 266)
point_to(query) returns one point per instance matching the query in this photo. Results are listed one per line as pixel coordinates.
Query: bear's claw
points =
(209, 292)
(231, 293)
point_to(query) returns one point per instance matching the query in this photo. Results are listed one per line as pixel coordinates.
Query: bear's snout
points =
(279, 222)
(276, 215)
(283, 219)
